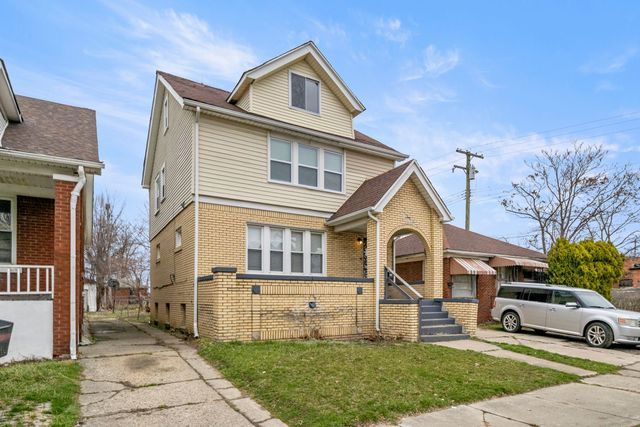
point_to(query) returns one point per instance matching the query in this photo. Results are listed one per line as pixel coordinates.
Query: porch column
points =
(61, 262)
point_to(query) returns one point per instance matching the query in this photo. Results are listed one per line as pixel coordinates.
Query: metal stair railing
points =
(392, 279)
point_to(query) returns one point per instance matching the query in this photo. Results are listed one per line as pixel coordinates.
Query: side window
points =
(280, 160)
(539, 295)
(563, 297)
(510, 292)
(165, 114)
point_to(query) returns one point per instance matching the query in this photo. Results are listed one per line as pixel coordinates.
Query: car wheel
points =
(511, 321)
(599, 335)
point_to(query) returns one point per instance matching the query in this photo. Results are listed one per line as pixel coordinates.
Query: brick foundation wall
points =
(400, 321)
(465, 313)
(235, 307)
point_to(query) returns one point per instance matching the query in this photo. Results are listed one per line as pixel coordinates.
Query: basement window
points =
(305, 93)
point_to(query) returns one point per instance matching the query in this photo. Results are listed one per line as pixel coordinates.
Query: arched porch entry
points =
(406, 275)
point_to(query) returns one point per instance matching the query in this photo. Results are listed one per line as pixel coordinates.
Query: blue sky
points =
(433, 76)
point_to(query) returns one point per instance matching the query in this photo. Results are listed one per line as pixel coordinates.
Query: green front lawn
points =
(589, 365)
(25, 385)
(324, 383)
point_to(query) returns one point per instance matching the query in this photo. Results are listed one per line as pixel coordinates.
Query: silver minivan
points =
(565, 310)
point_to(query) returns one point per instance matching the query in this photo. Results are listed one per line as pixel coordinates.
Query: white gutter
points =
(95, 167)
(196, 199)
(283, 127)
(72, 255)
(377, 270)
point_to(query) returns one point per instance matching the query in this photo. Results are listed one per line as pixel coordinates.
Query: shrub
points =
(586, 264)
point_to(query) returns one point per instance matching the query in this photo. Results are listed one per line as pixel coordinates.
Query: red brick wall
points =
(410, 271)
(485, 291)
(35, 230)
(61, 248)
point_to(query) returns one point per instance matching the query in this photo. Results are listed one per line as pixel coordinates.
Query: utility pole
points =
(470, 171)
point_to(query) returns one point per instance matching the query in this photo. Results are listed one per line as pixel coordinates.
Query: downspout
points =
(196, 199)
(82, 179)
(377, 269)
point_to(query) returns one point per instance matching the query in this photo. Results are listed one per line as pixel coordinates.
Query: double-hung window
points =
(277, 250)
(300, 164)
(305, 93)
(280, 160)
(332, 171)
(7, 234)
(307, 166)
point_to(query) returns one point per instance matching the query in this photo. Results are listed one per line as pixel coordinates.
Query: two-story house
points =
(48, 160)
(272, 217)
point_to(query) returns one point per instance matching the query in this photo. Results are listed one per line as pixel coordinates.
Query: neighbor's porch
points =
(35, 257)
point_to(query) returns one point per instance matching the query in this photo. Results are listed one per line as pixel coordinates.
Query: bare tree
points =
(119, 250)
(573, 194)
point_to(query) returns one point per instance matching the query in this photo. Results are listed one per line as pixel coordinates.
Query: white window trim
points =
(165, 114)
(163, 188)
(14, 228)
(156, 194)
(178, 245)
(315, 79)
(286, 247)
(295, 163)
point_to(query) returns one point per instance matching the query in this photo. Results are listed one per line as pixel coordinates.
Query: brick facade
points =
(485, 291)
(410, 271)
(465, 313)
(61, 262)
(400, 321)
(35, 228)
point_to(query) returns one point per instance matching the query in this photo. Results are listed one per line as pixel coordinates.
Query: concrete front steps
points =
(436, 325)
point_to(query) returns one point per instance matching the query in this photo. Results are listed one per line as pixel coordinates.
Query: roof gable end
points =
(307, 51)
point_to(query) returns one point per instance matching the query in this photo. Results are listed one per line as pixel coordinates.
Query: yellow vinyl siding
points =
(270, 98)
(175, 152)
(234, 165)
(245, 101)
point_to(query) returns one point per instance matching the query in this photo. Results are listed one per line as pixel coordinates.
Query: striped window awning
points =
(503, 261)
(470, 266)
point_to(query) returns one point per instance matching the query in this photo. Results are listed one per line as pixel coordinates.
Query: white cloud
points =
(611, 63)
(434, 63)
(392, 30)
(181, 43)
(605, 86)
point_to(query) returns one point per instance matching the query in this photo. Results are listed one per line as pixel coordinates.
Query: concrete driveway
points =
(594, 401)
(139, 375)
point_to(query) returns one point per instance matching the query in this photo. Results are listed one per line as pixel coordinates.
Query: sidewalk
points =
(136, 375)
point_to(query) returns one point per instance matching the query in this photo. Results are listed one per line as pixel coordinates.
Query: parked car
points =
(565, 310)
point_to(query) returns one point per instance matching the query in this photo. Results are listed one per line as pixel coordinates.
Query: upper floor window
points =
(285, 251)
(300, 164)
(7, 233)
(165, 114)
(305, 93)
(159, 189)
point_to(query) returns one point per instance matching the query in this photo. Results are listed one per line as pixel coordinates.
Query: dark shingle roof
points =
(459, 239)
(370, 192)
(53, 129)
(218, 97)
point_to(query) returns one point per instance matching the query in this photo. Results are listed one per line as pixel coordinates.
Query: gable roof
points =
(459, 239)
(199, 92)
(8, 103)
(374, 193)
(317, 60)
(53, 129)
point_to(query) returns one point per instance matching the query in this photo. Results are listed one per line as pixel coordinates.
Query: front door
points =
(562, 318)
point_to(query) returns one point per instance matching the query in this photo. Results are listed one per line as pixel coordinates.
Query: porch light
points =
(359, 240)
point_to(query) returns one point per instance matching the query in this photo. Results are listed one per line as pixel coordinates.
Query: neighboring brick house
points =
(474, 265)
(276, 216)
(48, 158)
(631, 276)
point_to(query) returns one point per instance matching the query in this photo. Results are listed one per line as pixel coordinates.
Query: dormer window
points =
(305, 93)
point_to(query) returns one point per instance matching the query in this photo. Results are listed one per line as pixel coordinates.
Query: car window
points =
(563, 297)
(539, 295)
(510, 292)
